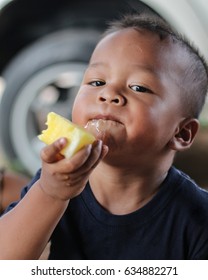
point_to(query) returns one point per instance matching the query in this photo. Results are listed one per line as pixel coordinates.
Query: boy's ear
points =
(184, 135)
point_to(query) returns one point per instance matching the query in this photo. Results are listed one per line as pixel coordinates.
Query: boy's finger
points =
(92, 158)
(78, 159)
(51, 153)
(98, 153)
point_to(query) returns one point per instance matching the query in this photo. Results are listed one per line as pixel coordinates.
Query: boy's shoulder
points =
(190, 196)
(186, 181)
(191, 188)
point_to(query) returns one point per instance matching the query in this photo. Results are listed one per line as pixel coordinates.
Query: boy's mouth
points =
(103, 124)
(106, 118)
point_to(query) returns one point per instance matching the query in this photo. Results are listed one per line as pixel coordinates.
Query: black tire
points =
(27, 99)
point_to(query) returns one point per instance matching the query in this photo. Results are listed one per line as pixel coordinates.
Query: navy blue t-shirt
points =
(172, 226)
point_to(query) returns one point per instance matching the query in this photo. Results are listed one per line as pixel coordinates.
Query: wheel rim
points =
(51, 89)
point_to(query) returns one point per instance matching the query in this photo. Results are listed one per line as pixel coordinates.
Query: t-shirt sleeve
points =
(23, 192)
(199, 225)
(201, 250)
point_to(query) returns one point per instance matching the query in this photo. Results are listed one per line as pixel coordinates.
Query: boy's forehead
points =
(126, 39)
(133, 39)
(161, 54)
(131, 34)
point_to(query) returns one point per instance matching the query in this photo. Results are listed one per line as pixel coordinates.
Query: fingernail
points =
(89, 148)
(62, 141)
(99, 143)
(105, 148)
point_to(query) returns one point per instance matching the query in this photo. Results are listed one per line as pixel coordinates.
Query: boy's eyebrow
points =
(146, 68)
(95, 64)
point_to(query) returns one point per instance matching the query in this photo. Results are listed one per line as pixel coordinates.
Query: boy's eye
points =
(97, 83)
(140, 89)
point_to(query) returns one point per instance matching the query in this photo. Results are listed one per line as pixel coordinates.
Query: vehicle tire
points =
(44, 77)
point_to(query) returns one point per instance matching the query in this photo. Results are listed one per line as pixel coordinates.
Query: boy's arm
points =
(26, 229)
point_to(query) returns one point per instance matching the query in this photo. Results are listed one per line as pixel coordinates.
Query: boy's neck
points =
(124, 191)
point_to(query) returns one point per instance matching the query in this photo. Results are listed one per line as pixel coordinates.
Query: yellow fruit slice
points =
(59, 126)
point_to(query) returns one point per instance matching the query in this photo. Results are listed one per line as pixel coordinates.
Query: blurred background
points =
(44, 49)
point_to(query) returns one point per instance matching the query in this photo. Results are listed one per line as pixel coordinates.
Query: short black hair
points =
(196, 74)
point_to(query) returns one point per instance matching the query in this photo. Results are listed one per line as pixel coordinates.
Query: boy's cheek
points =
(83, 105)
(78, 112)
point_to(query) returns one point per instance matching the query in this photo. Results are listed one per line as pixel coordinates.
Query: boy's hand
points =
(63, 178)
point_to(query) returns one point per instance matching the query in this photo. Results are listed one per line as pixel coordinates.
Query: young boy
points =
(121, 198)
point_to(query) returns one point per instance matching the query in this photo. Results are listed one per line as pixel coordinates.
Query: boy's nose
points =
(114, 99)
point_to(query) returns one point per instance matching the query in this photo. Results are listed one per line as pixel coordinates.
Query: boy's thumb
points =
(51, 153)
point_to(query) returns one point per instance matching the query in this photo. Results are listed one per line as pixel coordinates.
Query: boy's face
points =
(128, 97)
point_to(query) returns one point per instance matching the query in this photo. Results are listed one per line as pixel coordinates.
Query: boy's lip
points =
(106, 118)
